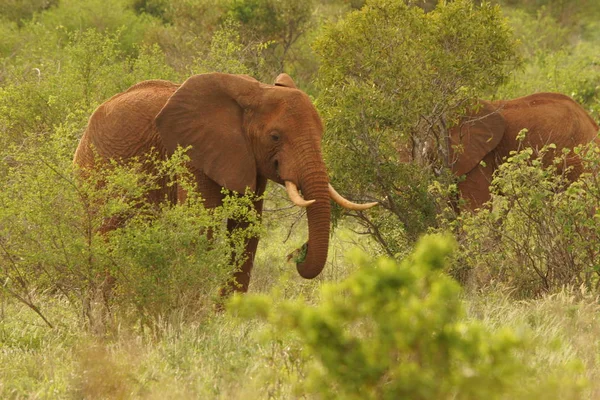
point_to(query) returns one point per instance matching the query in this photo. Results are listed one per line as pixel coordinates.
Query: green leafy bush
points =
(557, 57)
(64, 89)
(228, 54)
(103, 16)
(541, 233)
(575, 15)
(393, 78)
(19, 10)
(570, 70)
(163, 264)
(398, 330)
(53, 238)
(279, 24)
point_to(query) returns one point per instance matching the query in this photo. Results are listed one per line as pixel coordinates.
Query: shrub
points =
(227, 53)
(51, 238)
(103, 16)
(540, 233)
(557, 57)
(64, 89)
(19, 10)
(279, 24)
(393, 78)
(398, 330)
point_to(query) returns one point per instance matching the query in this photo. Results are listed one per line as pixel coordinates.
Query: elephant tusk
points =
(295, 197)
(338, 198)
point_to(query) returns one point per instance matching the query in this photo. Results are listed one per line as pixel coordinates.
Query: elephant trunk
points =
(315, 187)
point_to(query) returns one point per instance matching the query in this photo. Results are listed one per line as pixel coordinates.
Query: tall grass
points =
(220, 357)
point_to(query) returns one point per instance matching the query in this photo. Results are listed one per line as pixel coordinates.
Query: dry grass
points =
(564, 328)
(218, 357)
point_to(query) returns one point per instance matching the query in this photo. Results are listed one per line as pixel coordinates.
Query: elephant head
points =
(241, 131)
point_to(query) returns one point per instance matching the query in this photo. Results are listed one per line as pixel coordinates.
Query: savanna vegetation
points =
(416, 301)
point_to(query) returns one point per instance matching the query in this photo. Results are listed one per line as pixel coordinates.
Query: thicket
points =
(559, 42)
(393, 79)
(398, 330)
(53, 77)
(159, 263)
(541, 233)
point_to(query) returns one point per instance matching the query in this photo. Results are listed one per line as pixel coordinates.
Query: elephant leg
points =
(241, 278)
(475, 189)
(575, 165)
(209, 189)
(210, 192)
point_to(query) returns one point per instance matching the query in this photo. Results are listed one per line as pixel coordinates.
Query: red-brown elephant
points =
(490, 134)
(241, 132)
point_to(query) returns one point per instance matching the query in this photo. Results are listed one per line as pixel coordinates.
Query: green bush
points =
(51, 238)
(228, 54)
(279, 24)
(393, 78)
(541, 233)
(576, 15)
(398, 330)
(570, 70)
(104, 16)
(51, 83)
(65, 87)
(19, 11)
(557, 57)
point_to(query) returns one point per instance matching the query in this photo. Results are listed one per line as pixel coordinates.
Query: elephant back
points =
(123, 126)
(549, 118)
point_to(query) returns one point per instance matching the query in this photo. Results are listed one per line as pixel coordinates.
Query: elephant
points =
(242, 133)
(489, 133)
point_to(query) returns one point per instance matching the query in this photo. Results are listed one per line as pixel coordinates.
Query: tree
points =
(278, 23)
(393, 78)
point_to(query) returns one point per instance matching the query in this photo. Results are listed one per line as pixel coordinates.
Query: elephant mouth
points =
(298, 255)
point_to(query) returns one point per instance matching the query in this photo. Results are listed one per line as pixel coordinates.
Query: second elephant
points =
(490, 134)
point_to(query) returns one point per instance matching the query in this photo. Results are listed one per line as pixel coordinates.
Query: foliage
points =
(160, 258)
(278, 22)
(19, 11)
(106, 16)
(393, 77)
(157, 8)
(227, 53)
(207, 359)
(554, 61)
(541, 233)
(69, 86)
(52, 225)
(396, 330)
(573, 14)
(384, 71)
(188, 29)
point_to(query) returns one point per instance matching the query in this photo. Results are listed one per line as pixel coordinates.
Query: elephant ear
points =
(206, 113)
(285, 80)
(476, 135)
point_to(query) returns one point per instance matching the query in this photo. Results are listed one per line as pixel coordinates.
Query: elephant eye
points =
(275, 137)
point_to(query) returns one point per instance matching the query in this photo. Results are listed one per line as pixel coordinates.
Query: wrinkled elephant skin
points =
(490, 134)
(241, 132)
